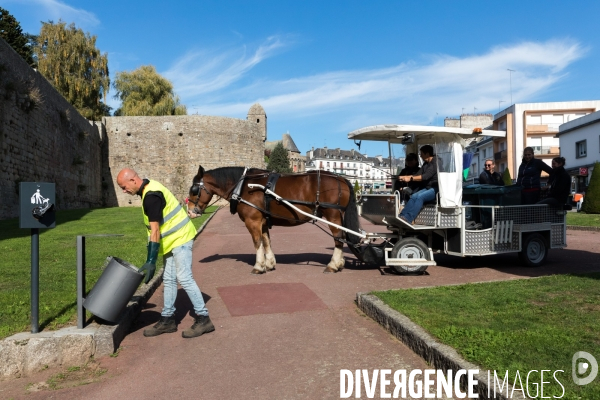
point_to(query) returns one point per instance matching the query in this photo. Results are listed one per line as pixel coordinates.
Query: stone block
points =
(76, 349)
(41, 352)
(12, 357)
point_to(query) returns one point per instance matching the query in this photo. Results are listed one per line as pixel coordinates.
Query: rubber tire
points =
(414, 246)
(534, 250)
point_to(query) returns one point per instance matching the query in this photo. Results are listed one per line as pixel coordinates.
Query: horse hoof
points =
(256, 272)
(330, 270)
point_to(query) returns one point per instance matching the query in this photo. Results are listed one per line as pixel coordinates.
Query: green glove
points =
(150, 267)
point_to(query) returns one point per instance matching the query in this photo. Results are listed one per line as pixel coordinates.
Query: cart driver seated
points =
(428, 185)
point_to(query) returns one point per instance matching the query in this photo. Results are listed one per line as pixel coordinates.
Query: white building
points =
(369, 172)
(534, 125)
(580, 146)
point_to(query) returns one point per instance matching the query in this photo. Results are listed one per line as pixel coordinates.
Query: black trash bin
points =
(489, 195)
(115, 287)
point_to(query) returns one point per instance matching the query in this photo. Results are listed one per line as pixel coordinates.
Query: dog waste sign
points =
(36, 210)
(36, 200)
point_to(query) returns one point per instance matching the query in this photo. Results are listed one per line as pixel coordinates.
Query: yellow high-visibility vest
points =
(176, 228)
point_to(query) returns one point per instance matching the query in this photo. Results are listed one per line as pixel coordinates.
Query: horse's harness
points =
(235, 197)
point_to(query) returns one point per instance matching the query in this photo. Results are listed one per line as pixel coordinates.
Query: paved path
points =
(289, 338)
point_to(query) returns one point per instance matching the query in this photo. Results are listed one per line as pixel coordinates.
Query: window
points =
(581, 149)
(534, 119)
(571, 117)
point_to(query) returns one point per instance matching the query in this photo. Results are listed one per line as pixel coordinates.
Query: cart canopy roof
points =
(395, 133)
(448, 145)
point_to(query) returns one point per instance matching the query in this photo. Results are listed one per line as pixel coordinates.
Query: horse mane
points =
(225, 176)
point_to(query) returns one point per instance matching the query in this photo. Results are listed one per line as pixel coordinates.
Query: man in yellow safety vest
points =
(168, 225)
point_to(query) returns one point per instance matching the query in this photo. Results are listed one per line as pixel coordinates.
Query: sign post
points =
(36, 210)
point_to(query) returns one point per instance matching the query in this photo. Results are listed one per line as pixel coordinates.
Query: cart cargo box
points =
(489, 195)
(492, 195)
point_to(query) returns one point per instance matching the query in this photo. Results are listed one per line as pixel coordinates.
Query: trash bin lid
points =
(483, 189)
(490, 189)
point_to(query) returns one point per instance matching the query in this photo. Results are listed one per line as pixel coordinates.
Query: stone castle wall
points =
(169, 149)
(43, 139)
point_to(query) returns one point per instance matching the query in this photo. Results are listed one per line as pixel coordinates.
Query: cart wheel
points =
(410, 248)
(534, 250)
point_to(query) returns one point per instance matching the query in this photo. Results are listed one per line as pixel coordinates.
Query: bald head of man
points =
(129, 181)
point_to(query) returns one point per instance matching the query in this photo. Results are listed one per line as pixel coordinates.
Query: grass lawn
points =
(58, 263)
(582, 219)
(528, 324)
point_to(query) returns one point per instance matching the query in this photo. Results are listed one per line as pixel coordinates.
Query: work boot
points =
(201, 326)
(164, 325)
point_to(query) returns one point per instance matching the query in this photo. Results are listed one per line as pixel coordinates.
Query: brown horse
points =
(323, 194)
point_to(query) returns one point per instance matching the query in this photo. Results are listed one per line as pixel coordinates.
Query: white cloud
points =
(55, 10)
(201, 72)
(440, 84)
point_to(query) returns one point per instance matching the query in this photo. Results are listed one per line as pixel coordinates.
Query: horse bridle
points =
(195, 190)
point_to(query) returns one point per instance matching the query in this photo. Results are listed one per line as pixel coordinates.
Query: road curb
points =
(25, 353)
(438, 355)
(584, 228)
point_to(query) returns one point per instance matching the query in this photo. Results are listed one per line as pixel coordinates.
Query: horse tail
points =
(350, 220)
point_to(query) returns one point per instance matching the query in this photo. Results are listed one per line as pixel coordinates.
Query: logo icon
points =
(580, 367)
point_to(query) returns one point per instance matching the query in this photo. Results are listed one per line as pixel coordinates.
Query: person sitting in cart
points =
(528, 178)
(559, 184)
(411, 168)
(427, 180)
(489, 176)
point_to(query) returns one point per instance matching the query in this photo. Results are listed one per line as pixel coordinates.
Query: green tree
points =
(69, 60)
(11, 32)
(145, 92)
(279, 160)
(506, 177)
(591, 201)
(356, 187)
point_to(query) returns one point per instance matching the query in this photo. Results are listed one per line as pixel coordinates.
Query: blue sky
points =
(324, 68)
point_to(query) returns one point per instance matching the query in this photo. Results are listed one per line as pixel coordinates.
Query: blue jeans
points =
(178, 267)
(415, 204)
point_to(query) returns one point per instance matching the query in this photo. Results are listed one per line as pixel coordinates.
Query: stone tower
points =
(257, 114)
